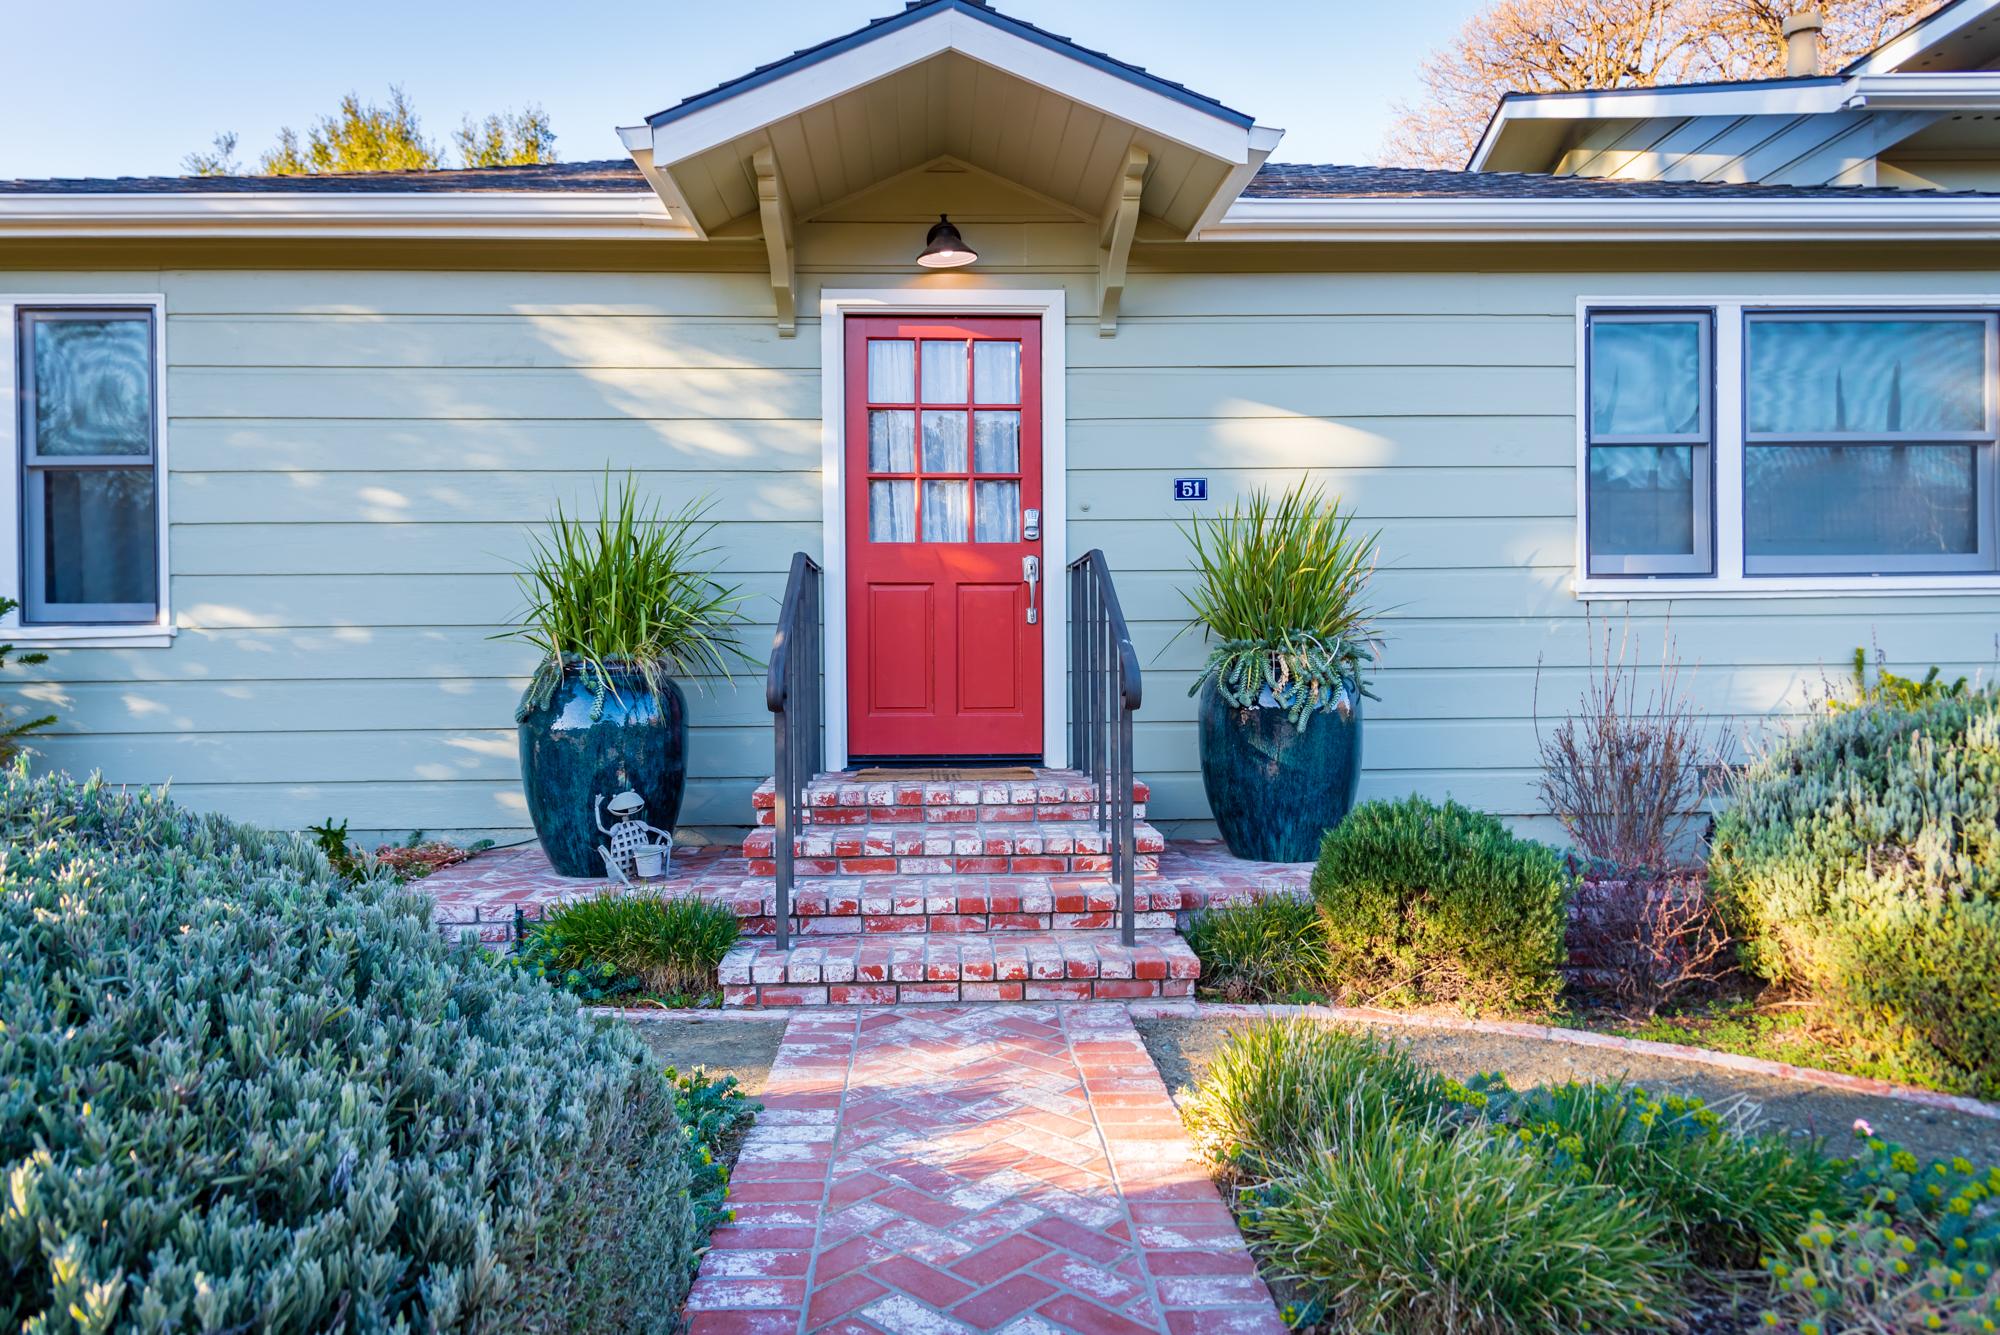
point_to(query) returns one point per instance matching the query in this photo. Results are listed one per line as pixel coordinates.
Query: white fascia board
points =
(1977, 90)
(1921, 36)
(746, 113)
(1583, 220)
(503, 215)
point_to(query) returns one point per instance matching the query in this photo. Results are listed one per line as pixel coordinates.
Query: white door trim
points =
(835, 305)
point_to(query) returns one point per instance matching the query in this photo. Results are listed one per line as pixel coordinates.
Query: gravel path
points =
(742, 1048)
(1183, 1048)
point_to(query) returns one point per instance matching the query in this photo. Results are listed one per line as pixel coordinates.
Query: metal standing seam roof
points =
(1273, 181)
(916, 11)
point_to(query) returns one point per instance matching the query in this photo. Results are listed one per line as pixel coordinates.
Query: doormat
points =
(947, 774)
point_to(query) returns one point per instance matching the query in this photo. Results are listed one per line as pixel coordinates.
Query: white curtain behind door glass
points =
(996, 372)
(944, 441)
(996, 513)
(944, 371)
(996, 441)
(892, 370)
(892, 511)
(892, 445)
(944, 511)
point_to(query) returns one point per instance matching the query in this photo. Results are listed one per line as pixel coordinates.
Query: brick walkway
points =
(941, 1169)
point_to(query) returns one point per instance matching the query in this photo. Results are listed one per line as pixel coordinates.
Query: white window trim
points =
(156, 634)
(835, 305)
(1729, 581)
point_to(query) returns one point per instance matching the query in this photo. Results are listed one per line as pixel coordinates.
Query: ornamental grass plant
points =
(238, 1092)
(1263, 949)
(629, 587)
(667, 948)
(1280, 592)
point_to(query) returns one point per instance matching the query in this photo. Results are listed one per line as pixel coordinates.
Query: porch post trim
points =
(1050, 306)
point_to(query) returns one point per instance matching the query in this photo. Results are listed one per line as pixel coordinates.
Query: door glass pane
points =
(1642, 500)
(1870, 377)
(892, 511)
(996, 441)
(892, 443)
(944, 371)
(944, 442)
(98, 540)
(996, 515)
(93, 384)
(944, 511)
(1861, 500)
(892, 370)
(996, 372)
(1645, 378)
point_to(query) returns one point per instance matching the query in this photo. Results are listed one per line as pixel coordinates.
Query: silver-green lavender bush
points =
(1860, 863)
(237, 1093)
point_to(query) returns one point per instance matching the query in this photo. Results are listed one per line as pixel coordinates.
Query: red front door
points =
(944, 500)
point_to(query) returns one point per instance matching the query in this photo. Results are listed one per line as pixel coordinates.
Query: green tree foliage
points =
(510, 139)
(389, 137)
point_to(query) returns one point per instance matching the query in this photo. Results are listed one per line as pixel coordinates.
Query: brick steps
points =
(835, 906)
(1000, 966)
(840, 799)
(983, 848)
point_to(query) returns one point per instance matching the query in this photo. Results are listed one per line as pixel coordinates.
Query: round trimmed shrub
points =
(237, 1093)
(1427, 903)
(1860, 863)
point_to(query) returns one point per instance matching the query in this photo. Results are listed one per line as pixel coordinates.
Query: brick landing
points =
(946, 1169)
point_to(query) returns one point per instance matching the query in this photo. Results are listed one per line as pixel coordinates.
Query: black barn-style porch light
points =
(944, 248)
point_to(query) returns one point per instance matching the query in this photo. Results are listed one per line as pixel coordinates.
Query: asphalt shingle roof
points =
(1275, 180)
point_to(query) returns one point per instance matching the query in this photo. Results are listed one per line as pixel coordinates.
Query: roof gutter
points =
(496, 215)
(1913, 218)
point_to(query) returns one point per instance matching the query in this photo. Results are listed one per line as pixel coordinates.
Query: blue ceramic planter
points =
(1275, 790)
(585, 744)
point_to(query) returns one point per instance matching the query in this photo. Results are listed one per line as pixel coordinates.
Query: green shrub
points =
(1405, 1227)
(1729, 1196)
(1276, 1085)
(668, 947)
(1424, 903)
(237, 1093)
(1262, 949)
(714, 1115)
(1923, 1254)
(1860, 864)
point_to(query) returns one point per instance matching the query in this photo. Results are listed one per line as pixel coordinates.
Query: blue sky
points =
(127, 87)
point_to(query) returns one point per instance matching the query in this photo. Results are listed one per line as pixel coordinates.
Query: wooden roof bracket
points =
(775, 210)
(1121, 224)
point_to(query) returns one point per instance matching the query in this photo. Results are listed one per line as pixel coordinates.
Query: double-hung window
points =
(1743, 447)
(88, 555)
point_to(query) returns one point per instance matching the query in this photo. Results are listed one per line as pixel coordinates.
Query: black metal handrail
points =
(1105, 691)
(792, 693)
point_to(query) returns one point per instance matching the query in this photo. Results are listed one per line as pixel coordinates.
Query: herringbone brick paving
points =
(943, 1169)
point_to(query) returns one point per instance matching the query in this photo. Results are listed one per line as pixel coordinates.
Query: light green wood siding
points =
(356, 458)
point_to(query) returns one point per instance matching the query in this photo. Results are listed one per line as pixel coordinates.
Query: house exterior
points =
(279, 442)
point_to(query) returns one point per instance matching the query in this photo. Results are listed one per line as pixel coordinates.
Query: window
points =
(1649, 443)
(85, 476)
(1868, 443)
(924, 483)
(1737, 447)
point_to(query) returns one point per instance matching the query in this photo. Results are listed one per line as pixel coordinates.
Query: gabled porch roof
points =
(949, 78)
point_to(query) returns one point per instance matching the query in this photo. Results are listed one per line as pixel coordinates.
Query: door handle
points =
(1031, 571)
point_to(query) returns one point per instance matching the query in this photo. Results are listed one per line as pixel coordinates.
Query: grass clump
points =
(1859, 863)
(1410, 1227)
(1274, 1087)
(1425, 903)
(240, 1093)
(620, 945)
(1261, 949)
